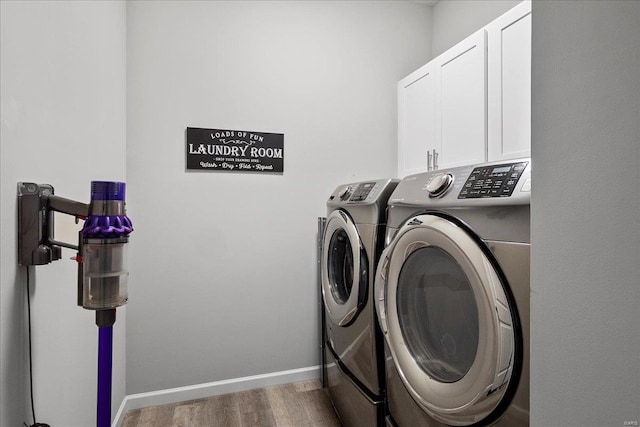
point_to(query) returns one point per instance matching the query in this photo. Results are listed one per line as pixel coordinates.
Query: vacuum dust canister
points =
(104, 273)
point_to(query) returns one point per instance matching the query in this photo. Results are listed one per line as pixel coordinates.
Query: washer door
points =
(344, 269)
(448, 321)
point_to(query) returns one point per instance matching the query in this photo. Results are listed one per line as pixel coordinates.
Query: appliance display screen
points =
(501, 169)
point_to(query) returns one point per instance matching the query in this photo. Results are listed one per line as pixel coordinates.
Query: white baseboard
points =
(200, 391)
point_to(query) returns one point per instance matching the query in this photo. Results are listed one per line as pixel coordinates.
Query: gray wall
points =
(454, 20)
(585, 290)
(62, 80)
(223, 265)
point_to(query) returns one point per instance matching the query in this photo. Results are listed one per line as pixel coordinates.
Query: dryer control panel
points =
(492, 181)
(362, 193)
(356, 192)
(365, 202)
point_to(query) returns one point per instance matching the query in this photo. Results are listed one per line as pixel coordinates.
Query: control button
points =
(439, 185)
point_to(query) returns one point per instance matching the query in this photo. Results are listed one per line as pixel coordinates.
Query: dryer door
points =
(344, 269)
(449, 321)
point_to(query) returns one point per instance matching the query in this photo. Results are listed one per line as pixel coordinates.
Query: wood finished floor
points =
(291, 405)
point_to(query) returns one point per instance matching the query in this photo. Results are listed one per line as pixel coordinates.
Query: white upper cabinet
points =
(509, 84)
(461, 103)
(472, 103)
(442, 110)
(416, 119)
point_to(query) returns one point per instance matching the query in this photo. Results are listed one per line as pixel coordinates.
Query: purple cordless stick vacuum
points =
(102, 261)
(103, 276)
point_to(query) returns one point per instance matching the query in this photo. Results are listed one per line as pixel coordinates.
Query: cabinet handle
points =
(429, 156)
(435, 159)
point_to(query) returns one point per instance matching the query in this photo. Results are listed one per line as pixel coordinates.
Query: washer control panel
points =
(492, 181)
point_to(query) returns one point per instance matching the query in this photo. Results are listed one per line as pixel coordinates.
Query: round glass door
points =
(340, 265)
(344, 269)
(437, 313)
(448, 321)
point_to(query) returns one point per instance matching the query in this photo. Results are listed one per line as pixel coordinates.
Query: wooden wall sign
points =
(234, 150)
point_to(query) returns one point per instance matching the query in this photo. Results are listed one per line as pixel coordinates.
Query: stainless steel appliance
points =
(351, 245)
(452, 297)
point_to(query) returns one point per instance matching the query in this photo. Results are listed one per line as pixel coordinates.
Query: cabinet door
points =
(461, 102)
(416, 120)
(509, 84)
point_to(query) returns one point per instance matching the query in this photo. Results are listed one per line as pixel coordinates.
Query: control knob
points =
(345, 193)
(439, 185)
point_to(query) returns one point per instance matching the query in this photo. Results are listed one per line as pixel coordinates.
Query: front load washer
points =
(452, 297)
(351, 245)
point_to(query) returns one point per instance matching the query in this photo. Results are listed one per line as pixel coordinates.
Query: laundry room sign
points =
(234, 150)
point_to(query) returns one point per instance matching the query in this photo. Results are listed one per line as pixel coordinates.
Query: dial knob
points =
(345, 193)
(439, 185)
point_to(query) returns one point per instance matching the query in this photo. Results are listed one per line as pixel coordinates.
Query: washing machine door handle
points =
(381, 280)
(380, 291)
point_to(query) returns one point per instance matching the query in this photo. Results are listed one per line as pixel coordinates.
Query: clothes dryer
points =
(452, 297)
(351, 245)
